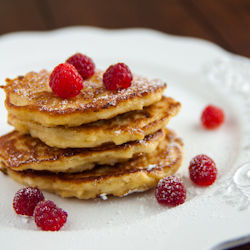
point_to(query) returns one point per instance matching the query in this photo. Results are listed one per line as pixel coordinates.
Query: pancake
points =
(20, 152)
(30, 98)
(131, 126)
(134, 175)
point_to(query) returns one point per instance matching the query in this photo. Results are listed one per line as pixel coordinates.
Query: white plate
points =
(197, 73)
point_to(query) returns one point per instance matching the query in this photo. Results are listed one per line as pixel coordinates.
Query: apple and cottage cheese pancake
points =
(131, 126)
(134, 175)
(30, 98)
(20, 152)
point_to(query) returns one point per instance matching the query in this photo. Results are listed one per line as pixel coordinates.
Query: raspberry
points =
(26, 199)
(65, 81)
(83, 64)
(212, 117)
(118, 75)
(49, 217)
(170, 191)
(202, 170)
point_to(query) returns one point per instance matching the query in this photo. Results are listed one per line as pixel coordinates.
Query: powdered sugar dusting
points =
(151, 166)
(170, 191)
(103, 196)
(34, 89)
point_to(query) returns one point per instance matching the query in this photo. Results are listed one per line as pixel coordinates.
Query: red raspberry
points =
(65, 81)
(49, 217)
(202, 170)
(83, 64)
(212, 117)
(170, 191)
(118, 75)
(26, 199)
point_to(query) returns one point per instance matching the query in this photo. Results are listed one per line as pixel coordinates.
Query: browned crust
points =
(91, 107)
(86, 109)
(137, 174)
(82, 177)
(126, 127)
(33, 151)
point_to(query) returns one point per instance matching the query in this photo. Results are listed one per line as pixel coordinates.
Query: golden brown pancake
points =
(131, 126)
(30, 98)
(20, 152)
(134, 175)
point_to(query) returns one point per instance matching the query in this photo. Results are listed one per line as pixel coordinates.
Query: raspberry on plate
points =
(202, 170)
(49, 217)
(212, 117)
(26, 199)
(65, 81)
(170, 191)
(83, 64)
(118, 75)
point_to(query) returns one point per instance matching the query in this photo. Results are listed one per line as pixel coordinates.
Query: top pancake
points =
(30, 98)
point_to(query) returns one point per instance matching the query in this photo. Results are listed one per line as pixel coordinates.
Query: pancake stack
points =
(98, 143)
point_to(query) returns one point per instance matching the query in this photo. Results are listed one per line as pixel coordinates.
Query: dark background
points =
(224, 22)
